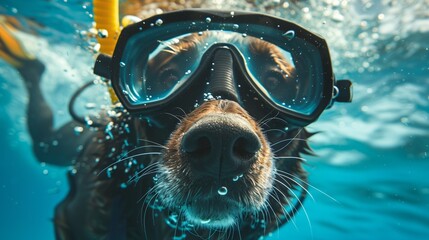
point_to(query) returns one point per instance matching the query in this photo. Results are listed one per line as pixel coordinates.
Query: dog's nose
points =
(220, 146)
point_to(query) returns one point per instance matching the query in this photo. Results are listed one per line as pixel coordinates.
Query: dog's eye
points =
(272, 80)
(168, 77)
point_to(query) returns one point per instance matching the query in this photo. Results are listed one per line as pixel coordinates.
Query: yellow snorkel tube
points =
(106, 17)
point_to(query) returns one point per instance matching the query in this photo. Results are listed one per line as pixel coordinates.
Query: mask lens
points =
(157, 62)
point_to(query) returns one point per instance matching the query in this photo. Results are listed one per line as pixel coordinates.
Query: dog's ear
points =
(305, 148)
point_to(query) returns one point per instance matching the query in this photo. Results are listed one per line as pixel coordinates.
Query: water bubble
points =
(156, 178)
(78, 130)
(208, 20)
(205, 221)
(123, 185)
(79, 148)
(244, 35)
(90, 105)
(103, 33)
(235, 179)
(109, 172)
(289, 34)
(172, 220)
(200, 33)
(222, 191)
(73, 171)
(232, 13)
(159, 22)
(55, 143)
(122, 64)
(235, 26)
(45, 171)
(188, 72)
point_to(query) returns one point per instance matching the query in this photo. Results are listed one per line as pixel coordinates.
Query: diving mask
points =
(264, 63)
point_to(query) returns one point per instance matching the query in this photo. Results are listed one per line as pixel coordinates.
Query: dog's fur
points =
(127, 186)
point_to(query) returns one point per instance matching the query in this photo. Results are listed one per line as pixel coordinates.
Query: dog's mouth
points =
(217, 212)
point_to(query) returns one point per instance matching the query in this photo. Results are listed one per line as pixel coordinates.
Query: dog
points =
(213, 173)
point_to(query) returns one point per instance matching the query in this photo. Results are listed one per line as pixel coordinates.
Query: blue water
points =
(372, 154)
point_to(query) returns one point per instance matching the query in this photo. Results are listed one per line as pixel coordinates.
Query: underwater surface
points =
(372, 161)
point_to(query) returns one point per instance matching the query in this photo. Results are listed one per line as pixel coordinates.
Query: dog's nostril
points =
(245, 147)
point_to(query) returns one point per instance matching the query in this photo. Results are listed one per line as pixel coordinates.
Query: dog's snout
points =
(220, 146)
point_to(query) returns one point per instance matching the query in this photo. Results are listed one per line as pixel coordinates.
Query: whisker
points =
(143, 215)
(238, 230)
(174, 116)
(277, 219)
(297, 183)
(274, 130)
(294, 139)
(137, 175)
(149, 172)
(146, 194)
(276, 198)
(305, 212)
(151, 142)
(315, 188)
(126, 158)
(293, 180)
(300, 203)
(274, 118)
(288, 139)
(292, 157)
(286, 213)
(183, 111)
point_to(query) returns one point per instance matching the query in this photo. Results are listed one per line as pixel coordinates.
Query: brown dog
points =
(221, 174)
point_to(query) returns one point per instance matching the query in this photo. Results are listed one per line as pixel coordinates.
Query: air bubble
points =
(289, 34)
(222, 191)
(188, 72)
(103, 33)
(90, 105)
(244, 35)
(205, 221)
(208, 20)
(235, 179)
(78, 130)
(122, 64)
(172, 220)
(235, 26)
(73, 171)
(159, 22)
(123, 185)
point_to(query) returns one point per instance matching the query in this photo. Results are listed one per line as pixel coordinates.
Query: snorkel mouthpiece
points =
(221, 81)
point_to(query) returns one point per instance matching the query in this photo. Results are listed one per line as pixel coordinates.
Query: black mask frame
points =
(109, 67)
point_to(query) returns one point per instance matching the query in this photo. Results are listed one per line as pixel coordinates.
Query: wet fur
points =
(112, 195)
